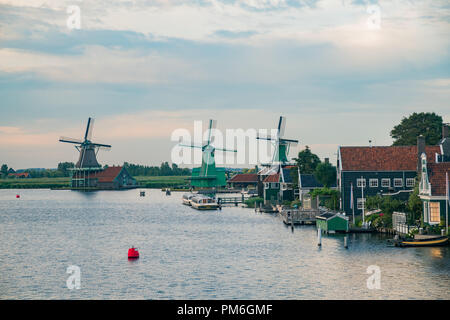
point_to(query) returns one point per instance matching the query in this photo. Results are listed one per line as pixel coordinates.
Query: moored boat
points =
(421, 241)
(201, 202)
(187, 197)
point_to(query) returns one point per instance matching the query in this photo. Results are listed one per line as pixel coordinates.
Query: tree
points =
(415, 206)
(4, 170)
(325, 173)
(425, 123)
(64, 167)
(307, 161)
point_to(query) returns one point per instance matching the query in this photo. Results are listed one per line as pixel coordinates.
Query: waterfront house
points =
(278, 184)
(110, 178)
(332, 222)
(386, 170)
(243, 180)
(433, 183)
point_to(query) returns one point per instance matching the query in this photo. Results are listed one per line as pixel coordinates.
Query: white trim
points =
(385, 180)
(370, 183)
(409, 185)
(358, 184)
(398, 180)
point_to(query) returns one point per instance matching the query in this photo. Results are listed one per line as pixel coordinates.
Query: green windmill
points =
(282, 146)
(208, 175)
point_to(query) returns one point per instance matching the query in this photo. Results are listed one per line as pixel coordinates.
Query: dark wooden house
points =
(243, 180)
(111, 178)
(374, 171)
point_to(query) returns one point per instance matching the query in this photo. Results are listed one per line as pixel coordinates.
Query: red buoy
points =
(133, 253)
(17, 195)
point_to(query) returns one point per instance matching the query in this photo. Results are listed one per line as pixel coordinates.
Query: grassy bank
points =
(47, 183)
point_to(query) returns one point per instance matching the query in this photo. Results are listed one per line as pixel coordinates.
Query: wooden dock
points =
(233, 201)
(299, 217)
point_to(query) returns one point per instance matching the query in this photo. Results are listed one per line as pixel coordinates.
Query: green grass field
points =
(46, 183)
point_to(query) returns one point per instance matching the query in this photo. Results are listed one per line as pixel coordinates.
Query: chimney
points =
(420, 150)
(445, 130)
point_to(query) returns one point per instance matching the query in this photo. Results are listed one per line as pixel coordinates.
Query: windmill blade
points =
(70, 140)
(212, 126)
(89, 127)
(190, 145)
(281, 126)
(265, 138)
(101, 145)
(291, 141)
(225, 150)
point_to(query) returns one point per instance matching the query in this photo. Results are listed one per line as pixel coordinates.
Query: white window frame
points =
(372, 184)
(386, 180)
(266, 185)
(398, 180)
(433, 207)
(284, 186)
(360, 202)
(410, 182)
(360, 181)
(274, 185)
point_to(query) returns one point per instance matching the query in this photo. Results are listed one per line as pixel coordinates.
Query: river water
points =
(186, 254)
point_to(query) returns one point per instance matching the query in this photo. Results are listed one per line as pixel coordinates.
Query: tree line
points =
(63, 170)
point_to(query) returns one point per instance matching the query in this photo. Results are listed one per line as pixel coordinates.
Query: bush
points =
(254, 201)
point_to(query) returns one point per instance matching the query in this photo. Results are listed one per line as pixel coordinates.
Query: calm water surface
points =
(187, 254)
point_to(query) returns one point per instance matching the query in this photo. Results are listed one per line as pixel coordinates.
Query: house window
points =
(410, 182)
(361, 182)
(398, 182)
(435, 212)
(373, 183)
(266, 185)
(284, 186)
(360, 203)
(274, 185)
(385, 183)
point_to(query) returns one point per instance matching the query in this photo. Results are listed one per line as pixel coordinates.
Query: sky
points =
(342, 72)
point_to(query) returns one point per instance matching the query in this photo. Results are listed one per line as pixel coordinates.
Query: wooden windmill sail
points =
(88, 149)
(282, 147)
(208, 175)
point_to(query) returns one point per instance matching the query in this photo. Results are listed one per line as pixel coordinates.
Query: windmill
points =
(282, 147)
(88, 149)
(279, 158)
(208, 176)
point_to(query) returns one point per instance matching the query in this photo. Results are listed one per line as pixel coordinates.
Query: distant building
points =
(433, 182)
(379, 171)
(244, 180)
(111, 178)
(278, 187)
(19, 175)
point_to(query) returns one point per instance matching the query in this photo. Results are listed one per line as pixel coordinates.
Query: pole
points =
(364, 204)
(352, 203)
(446, 202)
(319, 237)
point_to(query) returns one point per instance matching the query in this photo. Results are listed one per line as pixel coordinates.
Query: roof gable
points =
(436, 176)
(244, 177)
(391, 158)
(107, 175)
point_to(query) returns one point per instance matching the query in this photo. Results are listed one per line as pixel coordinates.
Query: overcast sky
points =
(144, 68)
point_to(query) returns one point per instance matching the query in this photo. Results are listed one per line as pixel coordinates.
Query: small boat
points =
(421, 241)
(133, 253)
(168, 192)
(187, 198)
(142, 193)
(202, 202)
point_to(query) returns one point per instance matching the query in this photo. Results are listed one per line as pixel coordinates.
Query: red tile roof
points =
(272, 178)
(22, 174)
(244, 177)
(106, 175)
(392, 158)
(436, 175)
